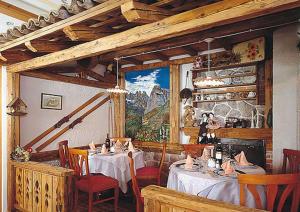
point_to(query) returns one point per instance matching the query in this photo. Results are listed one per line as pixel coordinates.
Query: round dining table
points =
(115, 165)
(204, 182)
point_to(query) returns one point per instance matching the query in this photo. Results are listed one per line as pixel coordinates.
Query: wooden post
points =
(174, 103)
(13, 133)
(268, 88)
(1, 136)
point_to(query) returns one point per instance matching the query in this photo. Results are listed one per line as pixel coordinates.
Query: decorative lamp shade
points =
(202, 82)
(16, 107)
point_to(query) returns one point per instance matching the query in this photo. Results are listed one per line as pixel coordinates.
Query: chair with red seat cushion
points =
(78, 160)
(291, 161)
(135, 187)
(63, 151)
(151, 173)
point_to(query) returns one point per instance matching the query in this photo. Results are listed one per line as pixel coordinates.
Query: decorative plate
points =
(249, 79)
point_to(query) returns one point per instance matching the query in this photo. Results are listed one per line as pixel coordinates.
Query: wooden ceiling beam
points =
(137, 12)
(191, 51)
(200, 19)
(101, 9)
(86, 33)
(68, 79)
(259, 22)
(134, 61)
(15, 12)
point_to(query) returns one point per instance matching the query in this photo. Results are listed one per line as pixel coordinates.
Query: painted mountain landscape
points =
(148, 104)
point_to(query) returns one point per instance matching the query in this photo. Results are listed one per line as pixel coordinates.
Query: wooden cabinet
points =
(40, 187)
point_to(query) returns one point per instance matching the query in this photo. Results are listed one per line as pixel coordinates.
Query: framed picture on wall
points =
(147, 110)
(51, 101)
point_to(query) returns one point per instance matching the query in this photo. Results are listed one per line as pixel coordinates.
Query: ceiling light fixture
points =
(117, 89)
(207, 81)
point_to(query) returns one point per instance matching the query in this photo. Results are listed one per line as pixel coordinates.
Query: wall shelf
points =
(224, 67)
(225, 100)
(233, 76)
(227, 86)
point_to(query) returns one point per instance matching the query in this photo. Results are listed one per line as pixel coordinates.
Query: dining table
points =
(211, 183)
(115, 165)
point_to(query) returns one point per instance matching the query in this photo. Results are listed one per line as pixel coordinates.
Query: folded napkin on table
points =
(131, 147)
(242, 160)
(228, 169)
(205, 154)
(188, 162)
(92, 146)
(118, 146)
(103, 149)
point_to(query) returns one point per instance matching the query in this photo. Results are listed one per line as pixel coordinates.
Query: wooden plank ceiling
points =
(94, 19)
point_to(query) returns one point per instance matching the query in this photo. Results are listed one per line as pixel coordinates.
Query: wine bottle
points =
(107, 142)
(219, 153)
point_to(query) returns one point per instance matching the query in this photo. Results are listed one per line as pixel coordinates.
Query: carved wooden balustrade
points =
(164, 200)
(41, 187)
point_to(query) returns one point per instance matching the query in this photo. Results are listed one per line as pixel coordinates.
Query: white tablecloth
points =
(214, 187)
(116, 166)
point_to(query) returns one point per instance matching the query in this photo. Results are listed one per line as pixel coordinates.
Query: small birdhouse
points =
(16, 107)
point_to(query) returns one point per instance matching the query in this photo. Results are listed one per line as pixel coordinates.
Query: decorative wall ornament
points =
(188, 116)
(16, 107)
(147, 108)
(51, 101)
(251, 51)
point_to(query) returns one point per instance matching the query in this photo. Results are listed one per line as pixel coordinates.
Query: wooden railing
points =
(41, 187)
(161, 199)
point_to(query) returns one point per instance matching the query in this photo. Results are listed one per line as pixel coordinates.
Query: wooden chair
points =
(292, 158)
(271, 182)
(135, 187)
(121, 139)
(63, 151)
(151, 173)
(91, 184)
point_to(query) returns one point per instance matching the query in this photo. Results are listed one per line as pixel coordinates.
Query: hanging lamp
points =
(207, 81)
(117, 89)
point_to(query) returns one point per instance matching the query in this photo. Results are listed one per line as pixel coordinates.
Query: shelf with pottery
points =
(214, 68)
(245, 88)
(224, 100)
(232, 76)
(226, 86)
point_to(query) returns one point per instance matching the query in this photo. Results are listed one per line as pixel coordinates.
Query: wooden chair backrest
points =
(78, 158)
(63, 151)
(195, 150)
(121, 139)
(271, 182)
(135, 186)
(163, 155)
(291, 161)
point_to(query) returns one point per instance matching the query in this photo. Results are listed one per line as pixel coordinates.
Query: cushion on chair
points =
(97, 183)
(147, 172)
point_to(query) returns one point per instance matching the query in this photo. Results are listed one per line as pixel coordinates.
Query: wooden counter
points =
(41, 187)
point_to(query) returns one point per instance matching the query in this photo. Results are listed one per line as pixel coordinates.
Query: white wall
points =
(93, 128)
(285, 87)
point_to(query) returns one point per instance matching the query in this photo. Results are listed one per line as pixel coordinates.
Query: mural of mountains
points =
(148, 106)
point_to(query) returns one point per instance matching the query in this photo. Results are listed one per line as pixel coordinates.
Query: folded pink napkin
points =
(131, 147)
(242, 160)
(103, 149)
(188, 162)
(92, 146)
(205, 154)
(228, 169)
